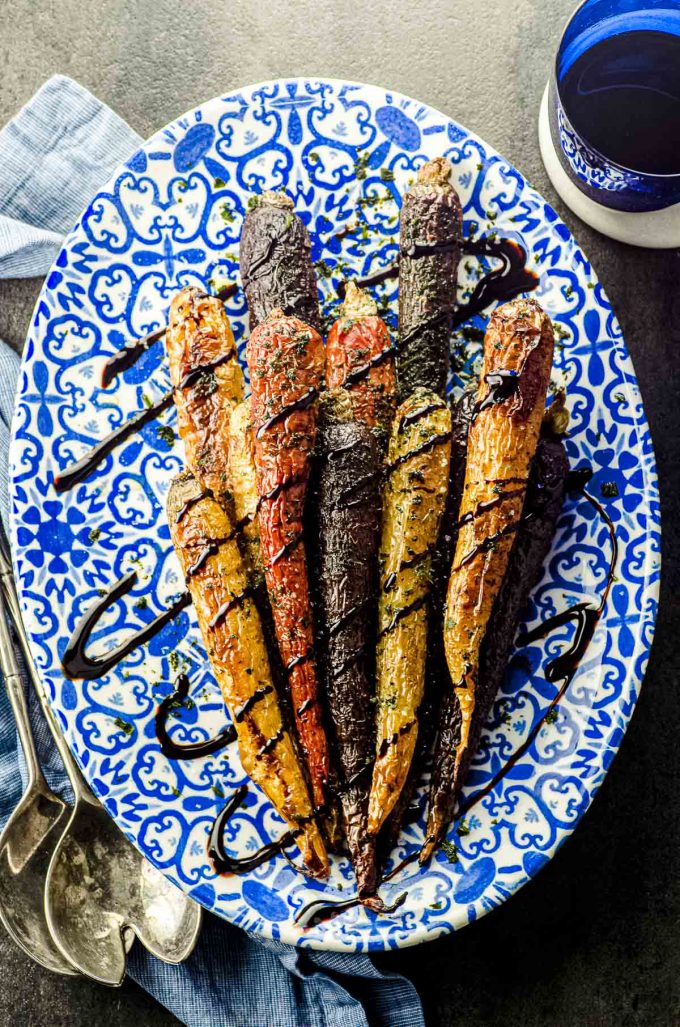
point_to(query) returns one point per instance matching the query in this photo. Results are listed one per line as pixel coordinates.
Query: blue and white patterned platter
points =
(171, 217)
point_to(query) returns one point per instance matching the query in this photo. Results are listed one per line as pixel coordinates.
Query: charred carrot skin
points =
(360, 358)
(208, 383)
(286, 362)
(518, 353)
(430, 240)
(348, 510)
(204, 536)
(276, 262)
(545, 494)
(413, 505)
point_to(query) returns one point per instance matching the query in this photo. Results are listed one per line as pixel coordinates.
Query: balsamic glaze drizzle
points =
(241, 711)
(489, 504)
(409, 561)
(230, 604)
(387, 743)
(508, 281)
(357, 373)
(436, 440)
(487, 544)
(129, 355)
(303, 401)
(502, 385)
(131, 352)
(298, 660)
(285, 549)
(270, 744)
(504, 283)
(187, 750)
(75, 661)
(184, 510)
(82, 468)
(211, 549)
(196, 373)
(417, 415)
(222, 862)
(341, 622)
(399, 615)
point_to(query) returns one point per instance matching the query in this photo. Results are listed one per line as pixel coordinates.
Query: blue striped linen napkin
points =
(54, 155)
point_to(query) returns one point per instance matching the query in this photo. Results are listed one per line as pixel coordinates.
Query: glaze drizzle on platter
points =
(135, 246)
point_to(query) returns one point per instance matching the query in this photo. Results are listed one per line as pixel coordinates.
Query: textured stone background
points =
(595, 940)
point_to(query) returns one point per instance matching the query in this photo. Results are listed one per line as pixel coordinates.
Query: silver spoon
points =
(100, 891)
(31, 834)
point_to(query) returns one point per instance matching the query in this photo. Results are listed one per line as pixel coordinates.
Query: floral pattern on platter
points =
(603, 181)
(171, 217)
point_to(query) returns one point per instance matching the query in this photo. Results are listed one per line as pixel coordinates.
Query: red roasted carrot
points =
(360, 358)
(286, 361)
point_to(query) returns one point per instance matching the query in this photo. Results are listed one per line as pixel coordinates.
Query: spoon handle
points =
(16, 692)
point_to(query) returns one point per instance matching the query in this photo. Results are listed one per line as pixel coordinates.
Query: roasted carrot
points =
(208, 383)
(204, 537)
(348, 511)
(360, 358)
(437, 681)
(243, 483)
(430, 241)
(413, 504)
(518, 351)
(533, 540)
(286, 361)
(276, 263)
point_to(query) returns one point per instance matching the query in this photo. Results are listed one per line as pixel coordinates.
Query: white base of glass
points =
(659, 229)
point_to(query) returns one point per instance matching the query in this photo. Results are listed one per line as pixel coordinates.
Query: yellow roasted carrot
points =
(243, 482)
(518, 353)
(413, 506)
(207, 381)
(218, 580)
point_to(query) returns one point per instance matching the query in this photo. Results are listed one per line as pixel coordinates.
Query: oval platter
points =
(172, 217)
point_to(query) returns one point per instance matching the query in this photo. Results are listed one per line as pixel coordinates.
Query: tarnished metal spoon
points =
(100, 891)
(31, 834)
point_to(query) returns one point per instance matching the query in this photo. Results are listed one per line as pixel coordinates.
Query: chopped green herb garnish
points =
(450, 851)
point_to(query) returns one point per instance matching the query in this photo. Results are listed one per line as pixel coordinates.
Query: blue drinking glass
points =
(611, 114)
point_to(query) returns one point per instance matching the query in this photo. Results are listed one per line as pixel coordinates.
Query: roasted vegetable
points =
(430, 240)
(208, 383)
(276, 264)
(518, 350)
(360, 358)
(413, 505)
(205, 540)
(243, 482)
(437, 681)
(533, 540)
(348, 511)
(286, 361)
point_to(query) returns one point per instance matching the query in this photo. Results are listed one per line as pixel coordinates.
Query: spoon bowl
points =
(100, 891)
(26, 847)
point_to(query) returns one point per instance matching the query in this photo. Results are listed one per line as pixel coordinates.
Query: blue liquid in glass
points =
(621, 93)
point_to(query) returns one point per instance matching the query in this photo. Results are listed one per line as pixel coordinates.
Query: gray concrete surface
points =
(595, 940)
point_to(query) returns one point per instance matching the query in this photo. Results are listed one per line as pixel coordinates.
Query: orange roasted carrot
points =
(286, 362)
(360, 358)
